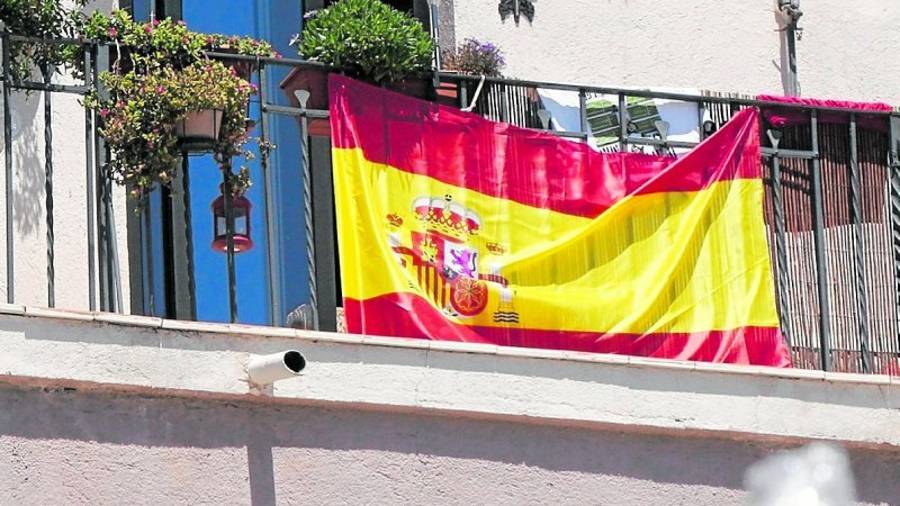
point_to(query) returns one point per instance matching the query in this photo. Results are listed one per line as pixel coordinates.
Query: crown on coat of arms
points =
(444, 216)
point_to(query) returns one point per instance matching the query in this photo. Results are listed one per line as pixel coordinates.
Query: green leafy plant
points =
(368, 39)
(168, 42)
(47, 19)
(476, 57)
(162, 76)
(247, 46)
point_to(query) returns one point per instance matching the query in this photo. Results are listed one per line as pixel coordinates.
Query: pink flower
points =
(181, 23)
(112, 32)
(155, 22)
(161, 90)
(254, 87)
(148, 28)
(104, 112)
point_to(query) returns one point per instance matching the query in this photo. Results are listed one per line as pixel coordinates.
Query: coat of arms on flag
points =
(441, 249)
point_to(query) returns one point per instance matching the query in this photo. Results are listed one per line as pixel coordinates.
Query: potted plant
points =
(39, 18)
(472, 57)
(148, 120)
(164, 97)
(366, 39)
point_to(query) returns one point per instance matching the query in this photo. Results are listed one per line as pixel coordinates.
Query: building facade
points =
(146, 407)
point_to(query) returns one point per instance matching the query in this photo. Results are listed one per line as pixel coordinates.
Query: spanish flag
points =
(452, 227)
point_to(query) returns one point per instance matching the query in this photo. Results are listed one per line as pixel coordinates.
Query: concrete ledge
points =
(51, 348)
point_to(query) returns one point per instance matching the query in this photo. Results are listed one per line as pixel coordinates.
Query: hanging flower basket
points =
(199, 130)
(165, 96)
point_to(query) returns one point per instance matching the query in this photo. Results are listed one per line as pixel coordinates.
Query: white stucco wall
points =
(70, 447)
(101, 408)
(846, 49)
(69, 200)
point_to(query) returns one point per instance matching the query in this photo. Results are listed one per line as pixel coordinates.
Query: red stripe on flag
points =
(527, 166)
(408, 315)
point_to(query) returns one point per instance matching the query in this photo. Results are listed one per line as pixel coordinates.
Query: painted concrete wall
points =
(99, 409)
(846, 49)
(69, 200)
(67, 447)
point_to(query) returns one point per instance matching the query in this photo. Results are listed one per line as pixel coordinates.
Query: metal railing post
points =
(780, 237)
(308, 224)
(48, 187)
(229, 241)
(113, 249)
(7, 149)
(862, 305)
(324, 236)
(623, 123)
(188, 236)
(91, 150)
(701, 114)
(503, 90)
(894, 195)
(819, 242)
(463, 93)
(147, 237)
(582, 114)
(273, 269)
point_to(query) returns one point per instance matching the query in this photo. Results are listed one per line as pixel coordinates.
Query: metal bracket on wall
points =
(790, 9)
(516, 9)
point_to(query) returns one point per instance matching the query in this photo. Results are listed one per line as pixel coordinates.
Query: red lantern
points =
(241, 207)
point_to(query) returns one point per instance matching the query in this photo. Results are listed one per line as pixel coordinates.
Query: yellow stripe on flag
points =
(665, 262)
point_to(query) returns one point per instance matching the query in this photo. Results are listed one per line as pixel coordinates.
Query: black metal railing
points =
(100, 219)
(832, 203)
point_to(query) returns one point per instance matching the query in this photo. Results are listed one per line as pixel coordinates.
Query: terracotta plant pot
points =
(315, 80)
(243, 68)
(448, 94)
(414, 87)
(199, 130)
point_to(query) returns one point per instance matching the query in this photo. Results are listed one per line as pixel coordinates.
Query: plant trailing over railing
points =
(477, 58)
(47, 19)
(161, 78)
(141, 116)
(240, 45)
(368, 39)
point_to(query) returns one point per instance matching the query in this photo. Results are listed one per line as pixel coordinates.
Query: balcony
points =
(107, 348)
(831, 192)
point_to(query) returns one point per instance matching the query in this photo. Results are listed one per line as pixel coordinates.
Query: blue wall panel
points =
(275, 21)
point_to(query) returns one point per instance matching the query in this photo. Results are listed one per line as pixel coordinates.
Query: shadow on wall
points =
(28, 161)
(318, 448)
